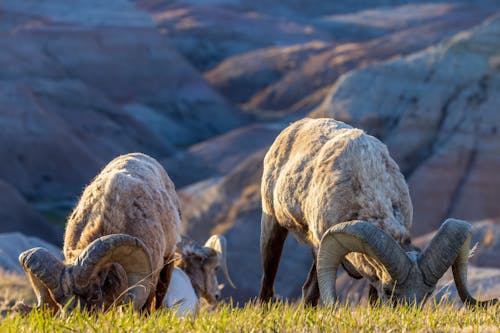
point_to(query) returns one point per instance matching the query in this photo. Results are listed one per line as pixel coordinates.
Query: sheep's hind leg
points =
(310, 289)
(272, 239)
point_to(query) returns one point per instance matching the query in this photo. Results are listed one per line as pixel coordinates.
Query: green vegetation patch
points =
(277, 317)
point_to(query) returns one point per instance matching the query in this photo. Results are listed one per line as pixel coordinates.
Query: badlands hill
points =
(205, 87)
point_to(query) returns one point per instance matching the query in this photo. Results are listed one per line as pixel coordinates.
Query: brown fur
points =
(320, 172)
(132, 195)
(201, 264)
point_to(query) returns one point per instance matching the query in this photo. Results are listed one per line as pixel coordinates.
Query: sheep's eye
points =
(94, 299)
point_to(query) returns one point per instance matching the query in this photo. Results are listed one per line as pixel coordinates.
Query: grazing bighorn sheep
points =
(337, 189)
(196, 274)
(119, 241)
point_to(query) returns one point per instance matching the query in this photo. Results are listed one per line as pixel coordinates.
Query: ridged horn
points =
(44, 272)
(130, 252)
(218, 243)
(362, 237)
(450, 247)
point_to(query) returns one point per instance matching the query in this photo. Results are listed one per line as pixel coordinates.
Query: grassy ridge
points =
(277, 317)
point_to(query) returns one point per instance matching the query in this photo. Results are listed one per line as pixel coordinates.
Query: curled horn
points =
(44, 272)
(218, 243)
(130, 252)
(450, 247)
(362, 237)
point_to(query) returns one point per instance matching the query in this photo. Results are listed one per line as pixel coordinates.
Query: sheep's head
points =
(112, 270)
(201, 265)
(412, 275)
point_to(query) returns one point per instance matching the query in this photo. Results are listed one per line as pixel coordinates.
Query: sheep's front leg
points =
(154, 303)
(310, 289)
(272, 239)
(373, 295)
(164, 281)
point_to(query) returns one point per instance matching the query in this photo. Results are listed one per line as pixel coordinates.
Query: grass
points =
(275, 317)
(13, 287)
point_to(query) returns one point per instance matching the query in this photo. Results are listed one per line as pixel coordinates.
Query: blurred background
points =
(205, 86)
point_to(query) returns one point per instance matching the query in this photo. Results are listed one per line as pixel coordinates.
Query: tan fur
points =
(320, 172)
(132, 195)
(200, 264)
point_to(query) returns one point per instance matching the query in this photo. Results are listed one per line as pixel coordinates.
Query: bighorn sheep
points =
(119, 241)
(337, 189)
(196, 275)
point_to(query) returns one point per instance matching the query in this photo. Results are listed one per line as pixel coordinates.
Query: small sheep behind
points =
(196, 275)
(119, 241)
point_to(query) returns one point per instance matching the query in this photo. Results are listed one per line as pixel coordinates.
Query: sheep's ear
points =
(189, 258)
(183, 246)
